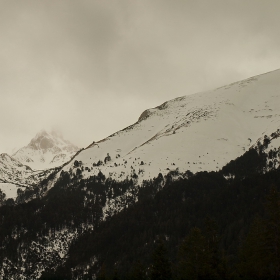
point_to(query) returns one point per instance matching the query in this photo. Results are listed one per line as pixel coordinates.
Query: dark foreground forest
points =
(211, 225)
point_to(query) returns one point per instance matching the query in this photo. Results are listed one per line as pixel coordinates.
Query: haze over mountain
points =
(65, 63)
(32, 163)
(46, 150)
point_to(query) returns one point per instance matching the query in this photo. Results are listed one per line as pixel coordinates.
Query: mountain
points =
(46, 150)
(62, 235)
(14, 175)
(34, 162)
(98, 210)
(199, 132)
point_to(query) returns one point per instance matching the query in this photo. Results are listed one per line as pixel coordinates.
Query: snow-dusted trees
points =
(2, 197)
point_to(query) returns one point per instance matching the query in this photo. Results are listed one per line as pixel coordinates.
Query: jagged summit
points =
(44, 141)
(46, 150)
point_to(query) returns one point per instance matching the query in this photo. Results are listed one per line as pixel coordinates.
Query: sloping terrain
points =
(33, 163)
(46, 150)
(14, 176)
(73, 224)
(10, 169)
(64, 235)
(13, 171)
(203, 131)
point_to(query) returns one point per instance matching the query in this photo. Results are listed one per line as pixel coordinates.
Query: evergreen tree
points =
(254, 255)
(102, 273)
(212, 240)
(161, 269)
(194, 258)
(217, 264)
(116, 275)
(260, 253)
(138, 272)
(273, 231)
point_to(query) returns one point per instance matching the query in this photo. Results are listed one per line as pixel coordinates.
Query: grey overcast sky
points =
(90, 67)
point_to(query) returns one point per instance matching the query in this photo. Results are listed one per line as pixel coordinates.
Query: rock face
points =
(46, 150)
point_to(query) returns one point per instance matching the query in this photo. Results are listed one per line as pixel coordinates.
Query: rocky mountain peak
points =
(42, 141)
(45, 150)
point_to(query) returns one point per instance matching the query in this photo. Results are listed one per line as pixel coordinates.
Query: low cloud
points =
(91, 67)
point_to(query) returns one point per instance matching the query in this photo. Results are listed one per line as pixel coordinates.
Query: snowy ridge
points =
(203, 131)
(200, 132)
(46, 150)
(13, 171)
(14, 176)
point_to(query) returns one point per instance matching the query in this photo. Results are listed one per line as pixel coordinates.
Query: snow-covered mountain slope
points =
(15, 173)
(11, 170)
(46, 150)
(203, 131)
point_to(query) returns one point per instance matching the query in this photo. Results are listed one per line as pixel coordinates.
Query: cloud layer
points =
(90, 67)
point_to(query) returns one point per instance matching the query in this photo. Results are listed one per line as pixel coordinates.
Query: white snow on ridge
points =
(203, 131)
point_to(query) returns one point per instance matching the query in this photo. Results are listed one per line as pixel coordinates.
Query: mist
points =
(88, 68)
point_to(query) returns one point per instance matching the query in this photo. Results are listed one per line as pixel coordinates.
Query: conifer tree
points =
(161, 269)
(217, 264)
(253, 254)
(116, 275)
(138, 272)
(212, 240)
(273, 231)
(193, 257)
(260, 253)
(102, 273)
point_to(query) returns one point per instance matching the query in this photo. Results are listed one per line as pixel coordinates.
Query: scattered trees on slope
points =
(174, 210)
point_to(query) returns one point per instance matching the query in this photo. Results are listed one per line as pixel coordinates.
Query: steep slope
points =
(46, 150)
(197, 132)
(203, 131)
(33, 163)
(11, 170)
(15, 175)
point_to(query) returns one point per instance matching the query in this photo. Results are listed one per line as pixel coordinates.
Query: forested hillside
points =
(97, 226)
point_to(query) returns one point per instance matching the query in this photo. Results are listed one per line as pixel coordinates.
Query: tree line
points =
(167, 227)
